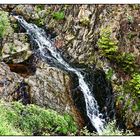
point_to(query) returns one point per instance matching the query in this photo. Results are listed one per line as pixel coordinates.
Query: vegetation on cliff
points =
(17, 119)
(4, 23)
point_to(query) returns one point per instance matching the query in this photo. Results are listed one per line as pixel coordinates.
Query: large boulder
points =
(15, 48)
(9, 83)
(50, 87)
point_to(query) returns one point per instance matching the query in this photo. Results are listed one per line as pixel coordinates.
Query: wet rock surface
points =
(101, 90)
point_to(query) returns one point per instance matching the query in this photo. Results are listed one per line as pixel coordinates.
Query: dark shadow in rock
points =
(26, 68)
(22, 93)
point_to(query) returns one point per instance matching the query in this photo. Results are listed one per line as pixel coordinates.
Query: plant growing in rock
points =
(109, 49)
(12, 48)
(107, 46)
(85, 132)
(85, 21)
(130, 94)
(130, 19)
(126, 61)
(4, 23)
(111, 129)
(109, 74)
(133, 86)
(58, 15)
(39, 7)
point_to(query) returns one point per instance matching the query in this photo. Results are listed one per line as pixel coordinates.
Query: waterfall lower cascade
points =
(49, 52)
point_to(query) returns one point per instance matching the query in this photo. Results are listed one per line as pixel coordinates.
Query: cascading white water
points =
(46, 45)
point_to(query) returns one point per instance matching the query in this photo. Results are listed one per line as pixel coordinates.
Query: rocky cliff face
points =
(76, 30)
(9, 82)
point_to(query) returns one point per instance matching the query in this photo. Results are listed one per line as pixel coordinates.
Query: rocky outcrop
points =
(9, 83)
(50, 87)
(16, 49)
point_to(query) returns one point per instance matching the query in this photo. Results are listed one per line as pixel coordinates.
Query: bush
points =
(6, 129)
(4, 23)
(132, 88)
(33, 120)
(107, 45)
(36, 119)
(110, 130)
(8, 120)
(109, 49)
(134, 84)
(126, 61)
(58, 15)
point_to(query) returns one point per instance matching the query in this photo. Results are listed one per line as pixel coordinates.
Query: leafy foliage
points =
(85, 21)
(85, 132)
(4, 23)
(131, 89)
(126, 61)
(33, 120)
(107, 46)
(134, 84)
(58, 15)
(39, 7)
(109, 49)
(111, 129)
(109, 74)
(7, 129)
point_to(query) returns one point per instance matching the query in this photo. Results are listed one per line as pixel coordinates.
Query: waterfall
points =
(49, 52)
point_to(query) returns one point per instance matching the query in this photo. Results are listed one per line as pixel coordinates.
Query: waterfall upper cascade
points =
(49, 52)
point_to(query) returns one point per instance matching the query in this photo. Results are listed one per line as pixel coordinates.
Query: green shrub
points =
(107, 45)
(132, 87)
(39, 7)
(4, 23)
(134, 84)
(6, 129)
(58, 15)
(126, 61)
(129, 89)
(109, 74)
(109, 49)
(85, 132)
(111, 129)
(8, 120)
(34, 120)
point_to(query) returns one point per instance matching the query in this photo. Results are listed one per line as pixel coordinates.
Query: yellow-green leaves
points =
(4, 23)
